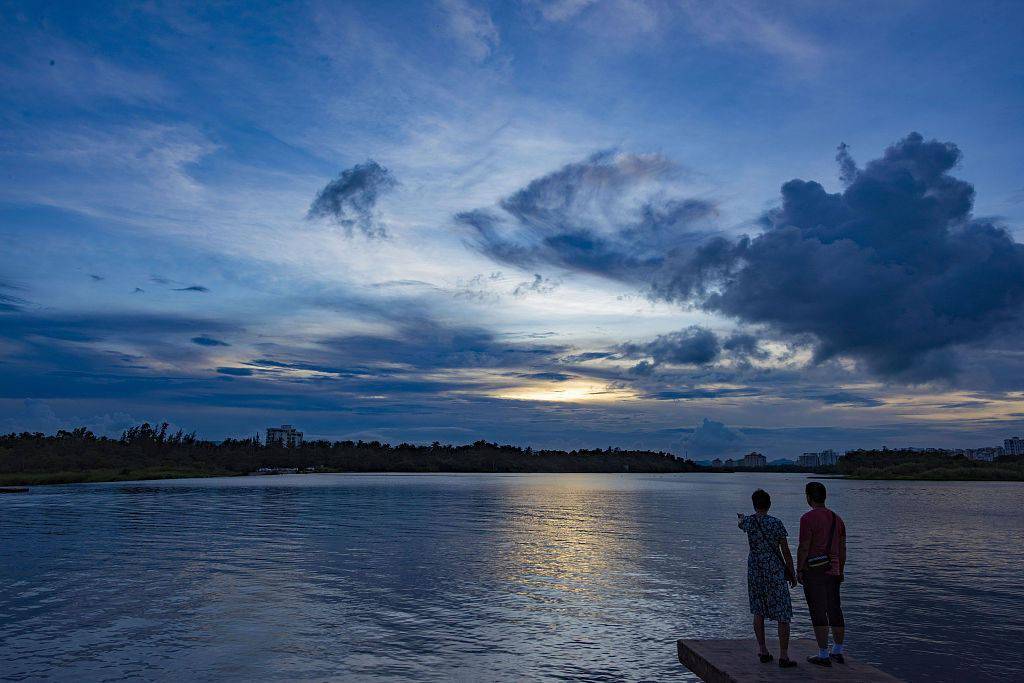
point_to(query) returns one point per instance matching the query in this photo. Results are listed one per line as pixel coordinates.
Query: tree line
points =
(148, 451)
(935, 465)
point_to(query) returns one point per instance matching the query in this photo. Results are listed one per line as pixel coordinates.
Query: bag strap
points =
(831, 535)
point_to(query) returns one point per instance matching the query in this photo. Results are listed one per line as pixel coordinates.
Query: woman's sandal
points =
(765, 658)
(786, 663)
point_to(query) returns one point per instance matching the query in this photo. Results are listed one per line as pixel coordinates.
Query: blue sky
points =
(563, 223)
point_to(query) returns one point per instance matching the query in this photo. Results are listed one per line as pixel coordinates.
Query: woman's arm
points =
(788, 557)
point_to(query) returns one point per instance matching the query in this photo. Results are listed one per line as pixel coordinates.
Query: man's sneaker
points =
(820, 661)
(838, 657)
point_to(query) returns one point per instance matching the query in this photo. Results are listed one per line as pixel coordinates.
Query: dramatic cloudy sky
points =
(707, 227)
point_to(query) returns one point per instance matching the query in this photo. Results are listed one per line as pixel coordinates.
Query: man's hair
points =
(816, 492)
(761, 500)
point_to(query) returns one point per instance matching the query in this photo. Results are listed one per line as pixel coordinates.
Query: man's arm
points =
(804, 546)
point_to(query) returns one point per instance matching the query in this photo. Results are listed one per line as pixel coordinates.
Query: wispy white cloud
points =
(750, 24)
(730, 23)
(472, 27)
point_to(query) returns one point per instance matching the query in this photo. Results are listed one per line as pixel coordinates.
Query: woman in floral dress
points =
(769, 567)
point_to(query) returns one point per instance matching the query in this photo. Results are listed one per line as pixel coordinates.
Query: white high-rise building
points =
(285, 435)
(1013, 446)
(753, 460)
(808, 460)
(988, 454)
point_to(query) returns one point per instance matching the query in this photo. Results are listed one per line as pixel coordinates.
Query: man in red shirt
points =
(821, 560)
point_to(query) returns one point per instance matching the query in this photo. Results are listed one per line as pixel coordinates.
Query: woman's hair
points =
(761, 500)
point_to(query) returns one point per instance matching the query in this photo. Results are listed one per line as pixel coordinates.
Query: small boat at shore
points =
(13, 489)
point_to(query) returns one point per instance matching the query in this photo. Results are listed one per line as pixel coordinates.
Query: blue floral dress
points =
(766, 572)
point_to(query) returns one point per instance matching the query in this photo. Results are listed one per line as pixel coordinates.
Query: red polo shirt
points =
(814, 527)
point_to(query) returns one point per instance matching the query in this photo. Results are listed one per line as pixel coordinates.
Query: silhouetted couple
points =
(820, 560)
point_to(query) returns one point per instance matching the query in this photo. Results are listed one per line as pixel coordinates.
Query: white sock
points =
(837, 649)
(823, 653)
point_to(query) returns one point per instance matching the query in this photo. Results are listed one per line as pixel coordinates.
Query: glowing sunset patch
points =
(568, 392)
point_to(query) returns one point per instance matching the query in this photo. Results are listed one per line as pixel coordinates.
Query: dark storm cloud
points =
(691, 346)
(607, 215)
(204, 340)
(350, 200)
(742, 344)
(192, 288)
(893, 271)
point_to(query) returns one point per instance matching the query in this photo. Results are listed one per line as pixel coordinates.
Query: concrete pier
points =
(735, 661)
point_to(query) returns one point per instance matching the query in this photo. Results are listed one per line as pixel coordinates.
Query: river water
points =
(481, 577)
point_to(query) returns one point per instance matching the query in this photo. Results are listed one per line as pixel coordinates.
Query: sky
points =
(708, 228)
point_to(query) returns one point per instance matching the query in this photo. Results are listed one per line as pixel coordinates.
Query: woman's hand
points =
(791, 578)
(739, 519)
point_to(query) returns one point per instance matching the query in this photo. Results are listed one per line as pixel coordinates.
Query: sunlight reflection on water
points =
(479, 577)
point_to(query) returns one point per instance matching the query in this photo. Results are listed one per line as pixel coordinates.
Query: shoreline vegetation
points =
(147, 452)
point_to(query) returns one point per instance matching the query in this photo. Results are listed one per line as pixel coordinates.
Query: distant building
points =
(717, 462)
(824, 458)
(985, 454)
(730, 463)
(1013, 446)
(753, 460)
(285, 435)
(808, 460)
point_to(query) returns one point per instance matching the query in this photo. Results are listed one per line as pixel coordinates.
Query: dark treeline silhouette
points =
(147, 452)
(934, 465)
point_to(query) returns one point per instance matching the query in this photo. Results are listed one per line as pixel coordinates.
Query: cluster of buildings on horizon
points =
(821, 459)
(1012, 446)
(754, 459)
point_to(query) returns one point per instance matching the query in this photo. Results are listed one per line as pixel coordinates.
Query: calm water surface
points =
(481, 577)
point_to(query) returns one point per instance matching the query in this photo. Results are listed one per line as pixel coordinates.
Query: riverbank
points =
(98, 476)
